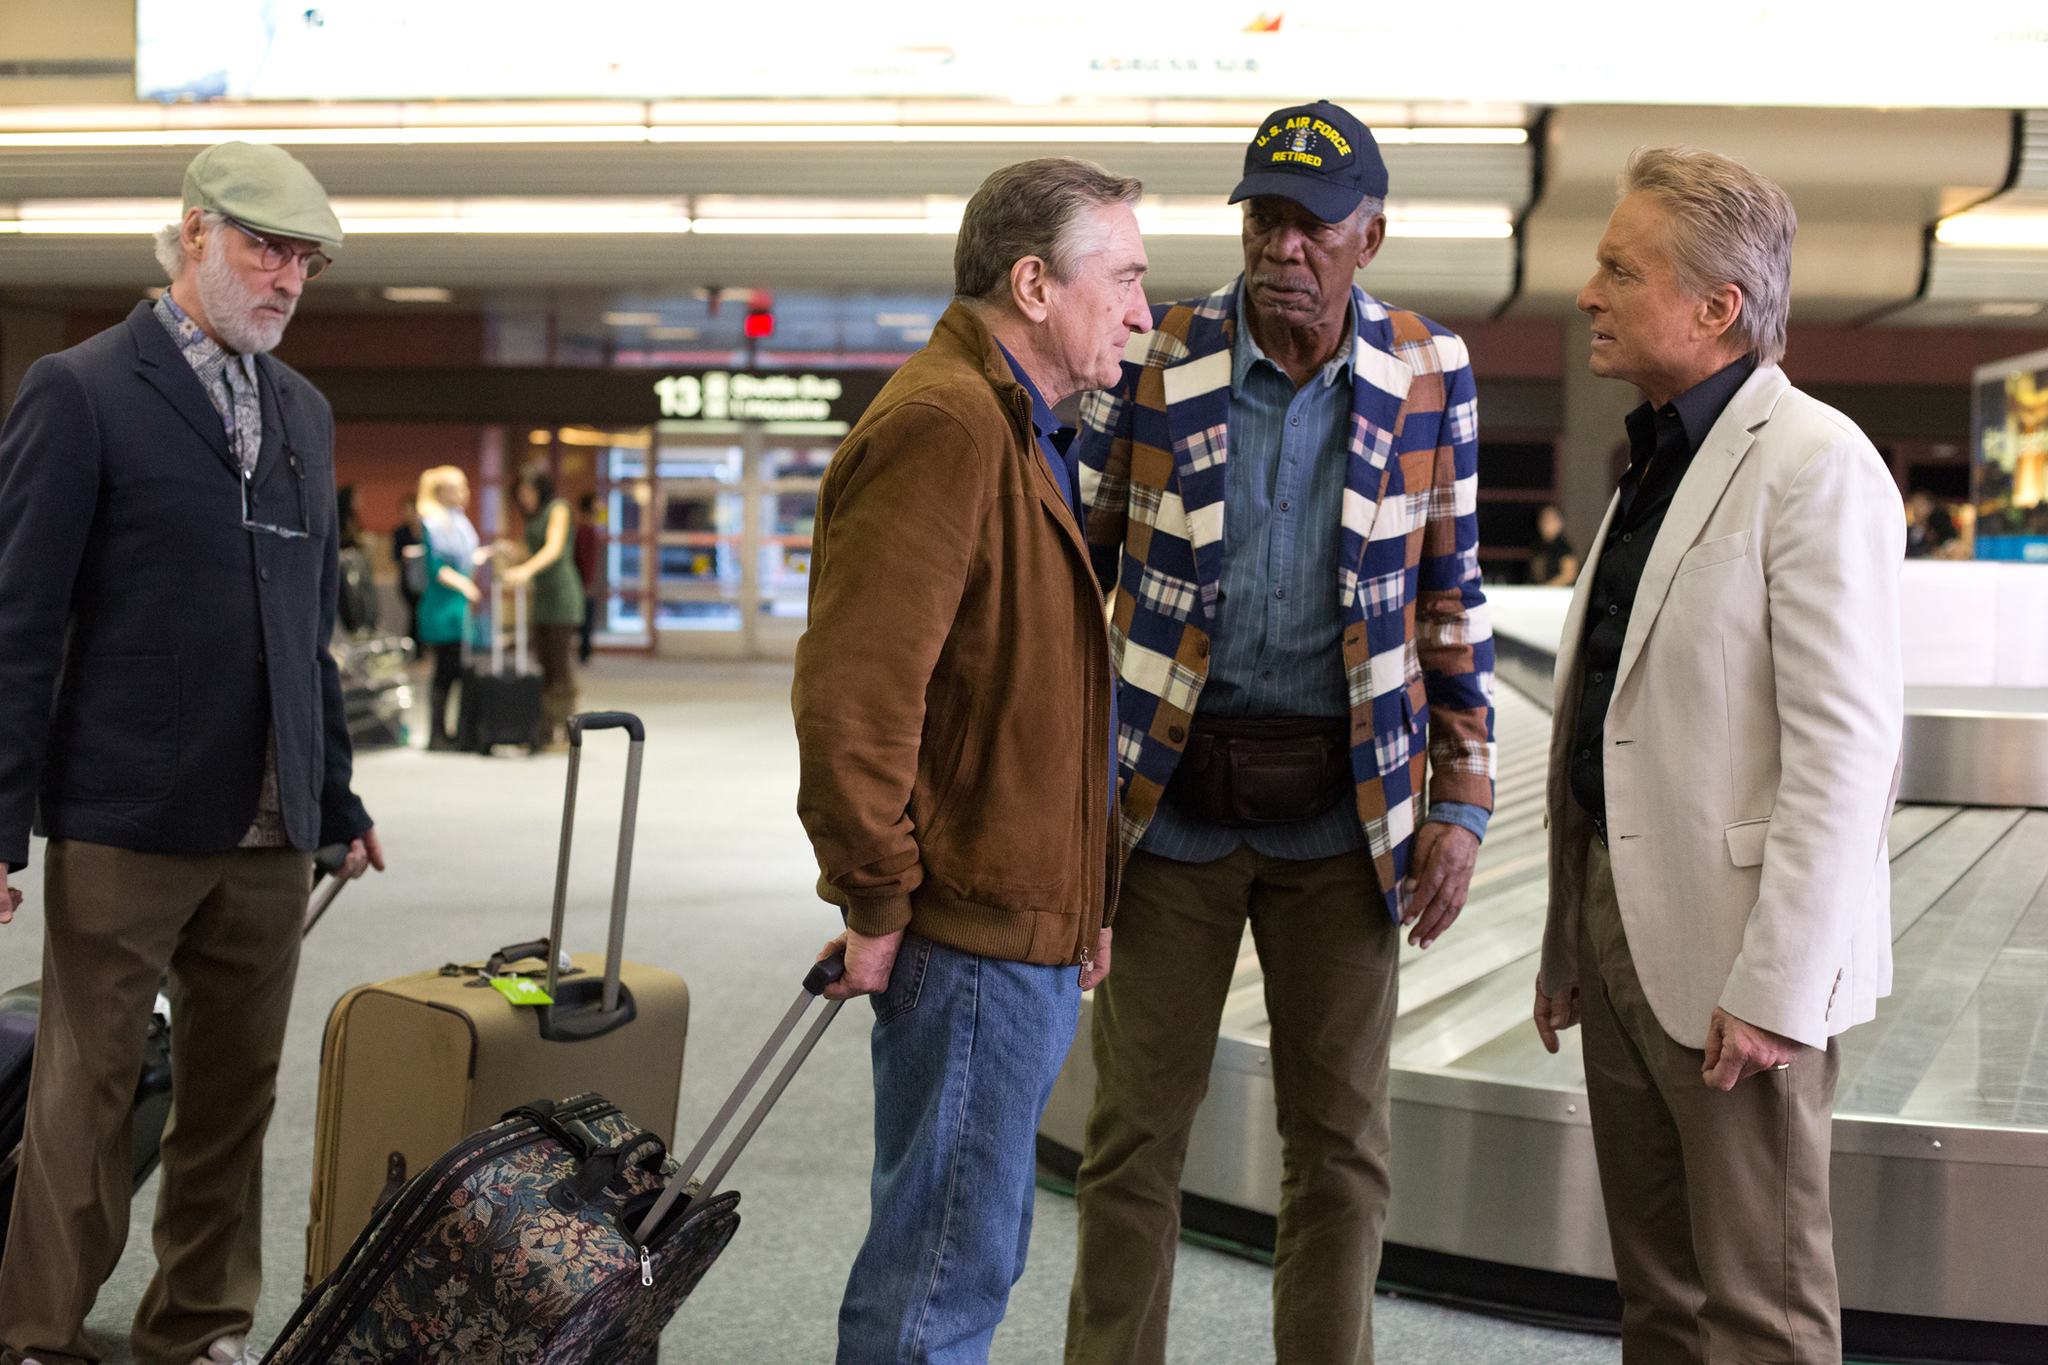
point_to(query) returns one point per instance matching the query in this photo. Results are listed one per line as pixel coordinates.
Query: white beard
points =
(231, 307)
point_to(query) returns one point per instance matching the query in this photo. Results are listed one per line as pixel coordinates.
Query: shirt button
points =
(1280, 593)
(1176, 734)
(1599, 677)
(1614, 611)
(1266, 673)
(1284, 504)
(1627, 536)
(1585, 753)
(1294, 421)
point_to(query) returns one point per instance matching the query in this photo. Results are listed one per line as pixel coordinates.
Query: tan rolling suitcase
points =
(412, 1065)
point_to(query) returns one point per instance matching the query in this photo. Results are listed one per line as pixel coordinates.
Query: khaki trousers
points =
(1717, 1201)
(227, 928)
(1330, 955)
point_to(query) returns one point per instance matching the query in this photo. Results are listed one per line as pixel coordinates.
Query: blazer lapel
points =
(162, 366)
(1698, 494)
(1197, 391)
(1379, 389)
(270, 454)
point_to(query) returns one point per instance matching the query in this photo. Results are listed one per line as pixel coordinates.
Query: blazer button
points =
(1201, 649)
(265, 575)
(1176, 734)
(260, 656)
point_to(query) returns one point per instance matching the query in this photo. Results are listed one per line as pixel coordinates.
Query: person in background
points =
(588, 545)
(450, 556)
(954, 711)
(1279, 503)
(171, 717)
(409, 555)
(558, 601)
(1725, 751)
(356, 607)
(1553, 563)
(1929, 527)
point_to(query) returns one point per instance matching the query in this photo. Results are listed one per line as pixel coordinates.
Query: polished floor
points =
(723, 894)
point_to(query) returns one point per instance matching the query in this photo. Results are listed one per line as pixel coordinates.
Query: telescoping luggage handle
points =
(821, 975)
(519, 659)
(629, 814)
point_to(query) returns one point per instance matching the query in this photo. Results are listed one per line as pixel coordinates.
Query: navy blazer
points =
(147, 641)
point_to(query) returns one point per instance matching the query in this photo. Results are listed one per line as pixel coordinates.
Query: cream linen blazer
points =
(1752, 745)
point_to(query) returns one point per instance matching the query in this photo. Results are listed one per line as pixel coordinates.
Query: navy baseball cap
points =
(1319, 156)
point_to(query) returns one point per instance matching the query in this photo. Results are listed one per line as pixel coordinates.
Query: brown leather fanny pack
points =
(1254, 773)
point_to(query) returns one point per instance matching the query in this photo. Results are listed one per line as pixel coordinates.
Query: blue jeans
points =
(966, 1050)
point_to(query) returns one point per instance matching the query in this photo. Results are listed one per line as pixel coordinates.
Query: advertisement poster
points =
(1965, 53)
(2009, 459)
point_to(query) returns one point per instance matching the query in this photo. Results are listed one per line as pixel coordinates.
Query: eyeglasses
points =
(282, 532)
(276, 255)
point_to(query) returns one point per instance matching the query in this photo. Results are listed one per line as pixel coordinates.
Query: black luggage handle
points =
(822, 974)
(327, 861)
(517, 952)
(629, 815)
(606, 720)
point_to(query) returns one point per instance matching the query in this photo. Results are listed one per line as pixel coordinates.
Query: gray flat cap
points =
(262, 187)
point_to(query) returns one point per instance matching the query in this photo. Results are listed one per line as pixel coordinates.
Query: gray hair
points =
(170, 242)
(1729, 225)
(1034, 208)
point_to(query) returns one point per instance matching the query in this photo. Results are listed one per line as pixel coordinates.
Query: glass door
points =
(625, 570)
(788, 499)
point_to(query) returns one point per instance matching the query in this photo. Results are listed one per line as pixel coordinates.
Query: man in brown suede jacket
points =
(954, 716)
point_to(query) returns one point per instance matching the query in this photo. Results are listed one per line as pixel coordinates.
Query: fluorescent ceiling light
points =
(418, 293)
(750, 135)
(1994, 229)
(2002, 308)
(632, 319)
(671, 333)
(903, 320)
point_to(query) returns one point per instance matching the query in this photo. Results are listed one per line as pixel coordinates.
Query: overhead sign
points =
(1964, 53)
(722, 396)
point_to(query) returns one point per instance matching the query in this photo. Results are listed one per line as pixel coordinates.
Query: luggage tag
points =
(521, 990)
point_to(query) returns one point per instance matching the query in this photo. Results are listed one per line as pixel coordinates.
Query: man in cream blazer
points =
(1723, 763)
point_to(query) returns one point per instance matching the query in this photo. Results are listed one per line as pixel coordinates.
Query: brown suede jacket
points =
(953, 687)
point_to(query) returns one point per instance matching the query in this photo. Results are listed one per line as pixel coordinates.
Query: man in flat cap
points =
(171, 718)
(1281, 495)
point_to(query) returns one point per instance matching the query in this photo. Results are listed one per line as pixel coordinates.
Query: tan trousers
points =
(1330, 955)
(227, 928)
(1717, 1201)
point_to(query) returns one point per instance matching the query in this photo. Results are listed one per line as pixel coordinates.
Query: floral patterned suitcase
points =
(563, 1234)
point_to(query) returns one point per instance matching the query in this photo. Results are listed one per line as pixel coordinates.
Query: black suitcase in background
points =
(502, 706)
(18, 1010)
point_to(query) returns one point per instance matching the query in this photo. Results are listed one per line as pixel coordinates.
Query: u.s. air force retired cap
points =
(1319, 156)
(264, 188)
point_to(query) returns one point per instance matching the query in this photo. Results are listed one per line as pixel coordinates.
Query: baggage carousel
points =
(1940, 1172)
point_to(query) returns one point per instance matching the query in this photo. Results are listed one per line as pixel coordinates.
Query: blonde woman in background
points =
(452, 553)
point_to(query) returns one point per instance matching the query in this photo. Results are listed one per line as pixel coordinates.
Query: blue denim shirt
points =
(1278, 644)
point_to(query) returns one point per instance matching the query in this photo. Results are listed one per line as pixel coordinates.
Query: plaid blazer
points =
(1417, 646)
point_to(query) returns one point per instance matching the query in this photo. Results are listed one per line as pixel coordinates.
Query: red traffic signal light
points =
(760, 323)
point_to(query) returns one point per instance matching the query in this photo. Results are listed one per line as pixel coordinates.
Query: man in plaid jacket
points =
(1281, 496)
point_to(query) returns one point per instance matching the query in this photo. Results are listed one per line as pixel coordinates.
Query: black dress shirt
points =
(1661, 444)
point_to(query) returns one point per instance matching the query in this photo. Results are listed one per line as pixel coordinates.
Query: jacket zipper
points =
(400, 1237)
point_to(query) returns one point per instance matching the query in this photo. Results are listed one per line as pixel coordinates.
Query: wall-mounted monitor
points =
(2009, 458)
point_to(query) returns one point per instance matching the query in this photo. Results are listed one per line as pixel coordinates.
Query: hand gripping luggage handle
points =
(629, 815)
(821, 975)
